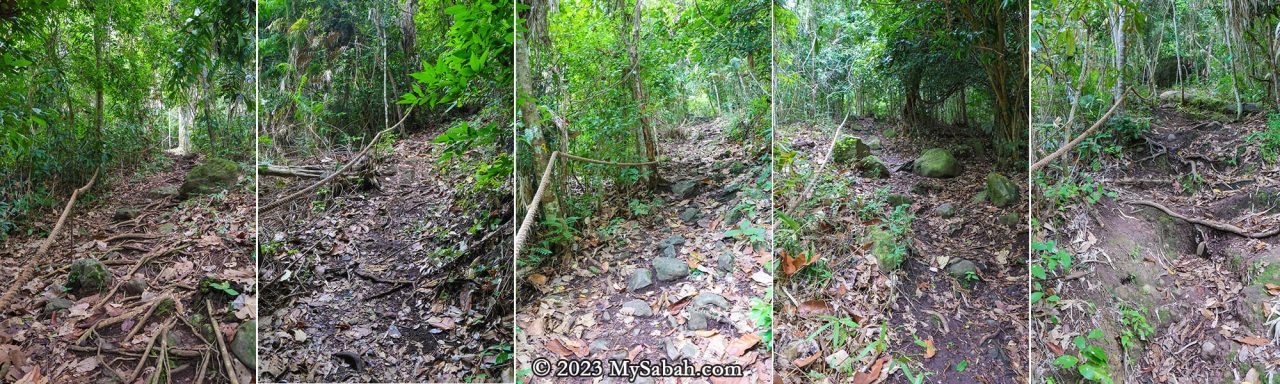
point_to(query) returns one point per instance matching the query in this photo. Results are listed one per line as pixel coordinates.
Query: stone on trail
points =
(705, 299)
(685, 189)
(961, 268)
(135, 287)
(639, 308)
(873, 143)
(697, 321)
(1010, 219)
(57, 304)
(244, 345)
(946, 210)
(873, 167)
(639, 279)
(672, 241)
(850, 150)
(1001, 191)
(213, 176)
(598, 345)
(126, 213)
(725, 262)
(89, 276)
(896, 199)
(937, 163)
(670, 268)
(163, 191)
(690, 215)
(885, 249)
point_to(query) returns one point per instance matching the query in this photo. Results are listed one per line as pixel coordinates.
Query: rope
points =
(532, 210)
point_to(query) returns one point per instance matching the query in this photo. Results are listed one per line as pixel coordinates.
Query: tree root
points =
(141, 261)
(1208, 223)
(222, 345)
(30, 267)
(147, 316)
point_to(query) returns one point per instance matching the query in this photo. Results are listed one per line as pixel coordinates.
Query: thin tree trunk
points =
(637, 91)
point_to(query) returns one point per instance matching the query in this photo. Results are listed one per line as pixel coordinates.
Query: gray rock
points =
(670, 268)
(672, 241)
(1208, 349)
(126, 213)
(89, 276)
(669, 252)
(697, 321)
(135, 287)
(639, 307)
(599, 345)
(1001, 191)
(896, 199)
(873, 143)
(729, 191)
(946, 210)
(214, 175)
(961, 268)
(725, 262)
(57, 304)
(162, 192)
(690, 215)
(245, 343)
(705, 299)
(639, 279)
(688, 351)
(685, 188)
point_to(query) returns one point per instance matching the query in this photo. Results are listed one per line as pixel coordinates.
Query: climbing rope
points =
(532, 210)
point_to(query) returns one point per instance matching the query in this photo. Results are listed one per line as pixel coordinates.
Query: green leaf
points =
(1066, 361)
(1093, 372)
(962, 365)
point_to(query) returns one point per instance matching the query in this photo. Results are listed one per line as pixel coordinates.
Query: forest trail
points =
(627, 290)
(1200, 296)
(977, 328)
(183, 250)
(375, 281)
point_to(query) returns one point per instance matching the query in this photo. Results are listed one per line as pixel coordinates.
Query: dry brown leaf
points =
(679, 304)
(929, 349)
(444, 323)
(631, 355)
(872, 374)
(555, 346)
(1253, 340)
(1274, 289)
(578, 347)
(1057, 349)
(538, 279)
(791, 265)
(815, 308)
(706, 333)
(742, 344)
(805, 361)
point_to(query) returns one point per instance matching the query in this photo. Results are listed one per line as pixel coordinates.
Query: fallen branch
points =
(1211, 224)
(30, 267)
(128, 236)
(222, 345)
(354, 160)
(1063, 150)
(146, 316)
(808, 188)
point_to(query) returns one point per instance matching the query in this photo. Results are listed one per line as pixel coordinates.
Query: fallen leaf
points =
(538, 279)
(791, 265)
(299, 335)
(706, 333)
(1057, 349)
(805, 361)
(929, 349)
(815, 308)
(871, 374)
(1274, 289)
(742, 344)
(444, 323)
(631, 355)
(555, 346)
(679, 304)
(1253, 340)
(88, 364)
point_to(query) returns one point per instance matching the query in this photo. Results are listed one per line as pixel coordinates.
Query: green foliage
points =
(762, 314)
(1091, 361)
(841, 329)
(1050, 259)
(1268, 140)
(1137, 327)
(745, 230)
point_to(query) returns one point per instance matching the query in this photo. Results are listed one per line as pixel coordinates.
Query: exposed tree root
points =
(141, 261)
(222, 345)
(1208, 223)
(30, 267)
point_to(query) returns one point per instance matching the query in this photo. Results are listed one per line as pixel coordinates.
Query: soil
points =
(394, 277)
(175, 245)
(574, 308)
(977, 329)
(1202, 290)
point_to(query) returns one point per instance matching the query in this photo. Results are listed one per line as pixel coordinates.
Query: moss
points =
(214, 175)
(1001, 191)
(884, 246)
(165, 307)
(937, 162)
(89, 276)
(850, 150)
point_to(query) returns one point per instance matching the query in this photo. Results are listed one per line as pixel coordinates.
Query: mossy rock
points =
(1011, 219)
(937, 163)
(890, 133)
(213, 176)
(884, 246)
(850, 150)
(896, 199)
(873, 167)
(89, 276)
(1001, 191)
(245, 342)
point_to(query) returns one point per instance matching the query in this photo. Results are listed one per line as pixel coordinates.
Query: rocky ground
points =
(397, 277)
(146, 267)
(1192, 303)
(675, 274)
(935, 291)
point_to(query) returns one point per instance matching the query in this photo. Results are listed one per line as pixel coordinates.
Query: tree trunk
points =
(637, 91)
(1116, 17)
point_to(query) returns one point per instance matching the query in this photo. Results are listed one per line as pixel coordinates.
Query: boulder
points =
(213, 176)
(874, 143)
(126, 213)
(1001, 191)
(639, 279)
(961, 268)
(850, 150)
(135, 287)
(873, 167)
(639, 308)
(244, 345)
(670, 268)
(945, 210)
(89, 276)
(937, 163)
(57, 304)
(895, 199)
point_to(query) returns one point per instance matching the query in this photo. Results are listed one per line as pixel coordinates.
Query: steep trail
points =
(1209, 296)
(979, 325)
(386, 280)
(176, 249)
(627, 291)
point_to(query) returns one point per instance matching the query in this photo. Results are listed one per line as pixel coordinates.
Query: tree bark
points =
(637, 91)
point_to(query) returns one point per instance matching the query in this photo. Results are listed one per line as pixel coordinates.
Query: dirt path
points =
(177, 247)
(364, 279)
(977, 328)
(628, 292)
(1203, 292)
